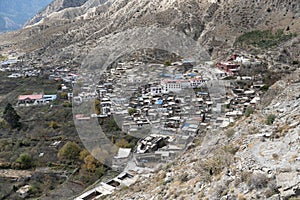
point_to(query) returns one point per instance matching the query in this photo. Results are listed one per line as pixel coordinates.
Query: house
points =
(69, 78)
(77, 100)
(121, 159)
(151, 144)
(81, 117)
(49, 98)
(30, 99)
(103, 189)
(35, 99)
(156, 90)
(24, 191)
(196, 82)
(15, 75)
(229, 67)
(86, 96)
(174, 85)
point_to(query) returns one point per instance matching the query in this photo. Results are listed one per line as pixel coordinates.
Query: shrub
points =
(35, 190)
(53, 125)
(167, 63)
(270, 119)
(112, 125)
(4, 124)
(69, 151)
(131, 111)
(24, 161)
(230, 148)
(122, 143)
(183, 177)
(245, 176)
(230, 133)
(90, 163)
(249, 111)
(258, 181)
(272, 189)
(264, 88)
(84, 153)
(64, 95)
(264, 38)
(67, 104)
(2, 57)
(275, 156)
(100, 171)
(97, 106)
(59, 87)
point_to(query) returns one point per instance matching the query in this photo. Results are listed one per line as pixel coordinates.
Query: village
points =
(164, 105)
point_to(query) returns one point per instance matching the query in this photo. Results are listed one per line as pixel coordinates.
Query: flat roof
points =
(123, 153)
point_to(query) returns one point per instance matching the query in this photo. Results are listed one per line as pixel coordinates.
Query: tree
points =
(90, 163)
(97, 106)
(64, 95)
(122, 143)
(11, 116)
(83, 154)
(167, 63)
(69, 151)
(131, 111)
(24, 161)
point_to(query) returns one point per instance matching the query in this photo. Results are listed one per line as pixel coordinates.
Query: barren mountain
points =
(214, 24)
(56, 6)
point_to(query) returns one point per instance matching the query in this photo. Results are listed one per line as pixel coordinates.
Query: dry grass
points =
(293, 158)
(275, 156)
(240, 196)
(230, 132)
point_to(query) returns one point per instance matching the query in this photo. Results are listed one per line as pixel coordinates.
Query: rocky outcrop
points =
(55, 6)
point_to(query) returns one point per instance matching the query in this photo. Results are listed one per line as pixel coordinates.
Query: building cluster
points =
(153, 102)
(13, 64)
(242, 92)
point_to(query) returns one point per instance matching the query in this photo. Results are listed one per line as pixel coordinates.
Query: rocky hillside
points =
(252, 159)
(214, 24)
(54, 7)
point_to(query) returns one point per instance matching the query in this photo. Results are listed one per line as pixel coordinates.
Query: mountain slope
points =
(210, 23)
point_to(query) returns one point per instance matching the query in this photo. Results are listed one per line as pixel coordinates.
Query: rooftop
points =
(32, 97)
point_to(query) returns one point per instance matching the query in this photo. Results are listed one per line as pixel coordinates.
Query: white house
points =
(177, 85)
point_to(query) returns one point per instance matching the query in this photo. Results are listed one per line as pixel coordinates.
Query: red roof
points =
(32, 97)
